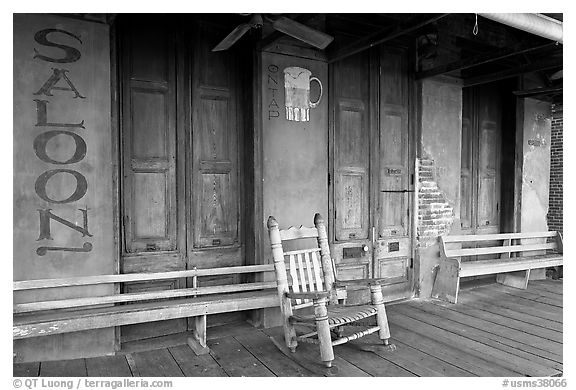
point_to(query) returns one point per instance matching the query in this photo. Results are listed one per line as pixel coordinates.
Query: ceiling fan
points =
(283, 24)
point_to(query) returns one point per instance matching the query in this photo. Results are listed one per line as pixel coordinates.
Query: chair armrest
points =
(308, 295)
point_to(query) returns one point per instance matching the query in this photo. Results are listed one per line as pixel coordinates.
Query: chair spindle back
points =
(303, 270)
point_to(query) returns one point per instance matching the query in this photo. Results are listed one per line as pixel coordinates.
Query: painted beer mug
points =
(297, 88)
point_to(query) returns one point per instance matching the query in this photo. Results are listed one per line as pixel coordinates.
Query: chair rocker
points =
(307, 278)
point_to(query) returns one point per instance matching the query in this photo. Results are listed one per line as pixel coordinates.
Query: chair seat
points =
(340, 314)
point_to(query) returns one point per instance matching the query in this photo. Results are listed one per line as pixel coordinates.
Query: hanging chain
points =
(475, 29)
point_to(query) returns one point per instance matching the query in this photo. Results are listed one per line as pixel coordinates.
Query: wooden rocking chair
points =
(310, 281)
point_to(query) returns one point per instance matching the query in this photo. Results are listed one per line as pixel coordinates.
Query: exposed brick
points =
(435, 214)
(555, 211)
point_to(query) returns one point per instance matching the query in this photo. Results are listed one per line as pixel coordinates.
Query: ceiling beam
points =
(538, 91)
(480, 60)
(509, 73)
(383, 36)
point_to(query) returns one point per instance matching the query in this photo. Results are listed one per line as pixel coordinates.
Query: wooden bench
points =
(51, 317)
(511, 256)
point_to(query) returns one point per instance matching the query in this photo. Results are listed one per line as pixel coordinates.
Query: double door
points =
(480, 176)
(180, 152)
(371, 172)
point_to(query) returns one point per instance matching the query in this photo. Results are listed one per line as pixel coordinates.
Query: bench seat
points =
(487, 267)
(512, 256)
(62, 321)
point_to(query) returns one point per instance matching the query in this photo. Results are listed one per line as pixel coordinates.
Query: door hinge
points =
(411, 262)
(329, 179)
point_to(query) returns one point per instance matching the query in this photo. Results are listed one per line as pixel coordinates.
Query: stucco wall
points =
(535, 165)
(62, 152)
(440, 146)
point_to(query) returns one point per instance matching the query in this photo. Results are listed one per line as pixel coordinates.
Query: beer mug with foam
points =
(297, 90)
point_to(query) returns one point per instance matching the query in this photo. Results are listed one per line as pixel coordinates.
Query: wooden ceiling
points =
(444, 44)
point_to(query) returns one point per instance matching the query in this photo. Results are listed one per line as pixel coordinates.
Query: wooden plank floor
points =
(493, 331)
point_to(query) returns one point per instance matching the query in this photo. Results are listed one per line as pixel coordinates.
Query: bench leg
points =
(538, 274)
(198, 340)
(447, 283)
(517, 279)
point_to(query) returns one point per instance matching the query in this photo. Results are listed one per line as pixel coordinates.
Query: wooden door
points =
(215, 192)
(181, 186)
(370, 163)
(151, 207)
(351, 139)
(480, 162)
(393, 249)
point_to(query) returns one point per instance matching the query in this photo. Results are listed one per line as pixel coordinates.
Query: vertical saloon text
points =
(58, 79)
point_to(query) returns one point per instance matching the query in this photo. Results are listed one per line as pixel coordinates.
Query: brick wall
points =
(556, 177)
(435, 214)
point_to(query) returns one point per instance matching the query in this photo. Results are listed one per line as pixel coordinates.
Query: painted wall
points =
(295, 152)
(62, 153)
(535, 165)
(440, 149)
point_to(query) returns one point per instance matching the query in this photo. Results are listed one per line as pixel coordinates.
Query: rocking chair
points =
(308, 279)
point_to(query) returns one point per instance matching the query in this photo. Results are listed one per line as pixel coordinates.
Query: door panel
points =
(217, 201)
(215, 192)
(149, 203)
(351, 179)
(394, 173)
(488, 176)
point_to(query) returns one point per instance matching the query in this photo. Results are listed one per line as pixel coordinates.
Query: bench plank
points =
(136, 277)
(497, 236)
(499, 249)
(135, 297)
(32, 325)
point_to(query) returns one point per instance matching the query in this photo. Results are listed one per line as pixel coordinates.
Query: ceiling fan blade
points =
(231, 38)
(302, 32)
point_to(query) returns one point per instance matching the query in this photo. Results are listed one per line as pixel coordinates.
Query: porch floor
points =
(493, 331)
